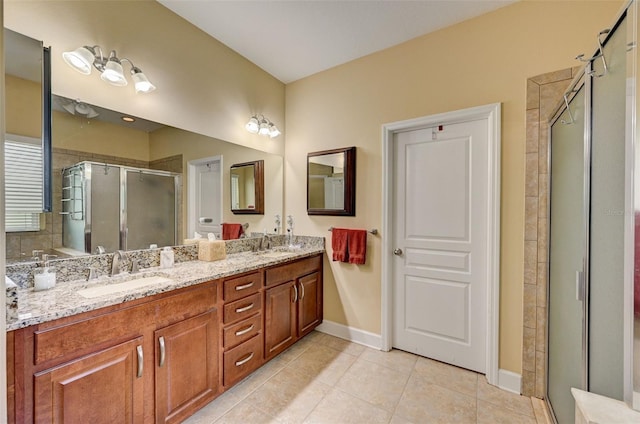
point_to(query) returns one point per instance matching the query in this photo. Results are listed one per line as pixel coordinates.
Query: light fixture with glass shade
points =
(111, 69)
(262, 126)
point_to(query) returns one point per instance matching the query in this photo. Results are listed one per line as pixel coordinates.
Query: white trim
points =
(349, 333)
(510, 381)
(191, 189)
(492, 113)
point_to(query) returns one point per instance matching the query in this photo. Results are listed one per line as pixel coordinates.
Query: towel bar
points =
(374, 231)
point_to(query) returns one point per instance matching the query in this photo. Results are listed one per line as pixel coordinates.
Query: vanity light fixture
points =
(76, 107)
(262, 126)
(111, 70)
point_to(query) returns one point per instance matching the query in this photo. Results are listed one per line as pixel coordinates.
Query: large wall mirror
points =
(331, 182)
(27, 141)
(247, 188)
(88, 132)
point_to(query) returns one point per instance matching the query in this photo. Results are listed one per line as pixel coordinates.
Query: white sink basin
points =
(275, 254)
(122, 287)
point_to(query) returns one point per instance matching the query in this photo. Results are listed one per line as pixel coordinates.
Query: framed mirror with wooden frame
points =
(331, 182)
(247, 188)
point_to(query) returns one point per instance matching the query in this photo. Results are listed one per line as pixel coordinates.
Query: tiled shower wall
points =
(544, 94)
(21, 244)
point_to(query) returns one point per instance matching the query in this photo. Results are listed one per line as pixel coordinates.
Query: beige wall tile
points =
(533, 95)
(552, 76)
(541, 297)
(550, 97)
(529, 349)
(540, 367)
(533, 117)
(529, 306)
(541, 328)
(531, 218)
(531, 183)
(528, 383)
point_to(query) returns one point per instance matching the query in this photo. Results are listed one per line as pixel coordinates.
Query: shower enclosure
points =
(589, 187)
(118, 207)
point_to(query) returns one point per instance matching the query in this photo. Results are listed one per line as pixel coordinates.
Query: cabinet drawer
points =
(288, 272)
(242, 308)
(242, 359)
(242, 331)
(237, 288)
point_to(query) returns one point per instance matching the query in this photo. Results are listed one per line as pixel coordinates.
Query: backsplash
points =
(77, 268)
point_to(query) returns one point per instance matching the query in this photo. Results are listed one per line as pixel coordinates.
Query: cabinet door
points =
(186, 367)
(82, 391)
(309, 303)
(280, 318)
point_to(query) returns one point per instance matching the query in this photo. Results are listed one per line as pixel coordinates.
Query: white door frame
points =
(191, 189)
(492, 114)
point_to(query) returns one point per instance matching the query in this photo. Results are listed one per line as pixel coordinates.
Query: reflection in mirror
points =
(27, 140)
(331, 182)
(247, 188)
(107, 138)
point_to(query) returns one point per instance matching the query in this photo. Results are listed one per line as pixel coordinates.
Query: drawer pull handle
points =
(162, 350)
(245, 331)
(245, 286)
(295, 289)
(140, 361)
(245, 360)
(246, 308)
(302, 291)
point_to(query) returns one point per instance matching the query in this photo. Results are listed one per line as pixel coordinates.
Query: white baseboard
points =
(352, 334)
(509, 381)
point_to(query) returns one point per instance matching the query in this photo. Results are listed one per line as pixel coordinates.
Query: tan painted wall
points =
(202, 85)
(480, 61)
(92, 136)
(171, 141)
(23, 114)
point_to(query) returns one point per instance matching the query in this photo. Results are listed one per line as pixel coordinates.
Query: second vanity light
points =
(262, 126)
(83, 58)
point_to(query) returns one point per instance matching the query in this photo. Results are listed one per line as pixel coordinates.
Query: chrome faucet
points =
(265, 242)
(118, 256)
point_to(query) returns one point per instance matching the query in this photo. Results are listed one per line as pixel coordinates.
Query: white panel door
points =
(440, 225)
(208, 199)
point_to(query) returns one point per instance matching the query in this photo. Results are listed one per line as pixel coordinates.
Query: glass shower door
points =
(150, 209)
(567, 250)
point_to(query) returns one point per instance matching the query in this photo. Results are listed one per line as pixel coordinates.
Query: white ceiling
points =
(293, 39)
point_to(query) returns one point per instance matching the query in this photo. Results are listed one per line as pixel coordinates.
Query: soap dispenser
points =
(44, 276)
(167, 257)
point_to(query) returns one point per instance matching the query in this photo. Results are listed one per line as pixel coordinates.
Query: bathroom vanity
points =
(160, 352)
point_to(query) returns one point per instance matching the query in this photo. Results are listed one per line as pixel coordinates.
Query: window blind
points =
(23, 183)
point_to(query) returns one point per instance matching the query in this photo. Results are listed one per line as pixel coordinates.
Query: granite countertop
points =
(63, 300)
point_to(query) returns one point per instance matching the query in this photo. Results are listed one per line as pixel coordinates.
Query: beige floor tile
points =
(448, 376)
(506, 400)
(396, 419)
(340, 407)
(293, 352)
(540, 411)
(489, 413)
(376, 384)
(325, 364)
(395, 359)
(214, 410)
(257, 378)
(342, 345)
(244, 413)
(289, 396)
(423, 402)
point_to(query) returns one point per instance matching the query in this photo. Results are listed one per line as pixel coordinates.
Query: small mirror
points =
(247, 188)
(331, 182)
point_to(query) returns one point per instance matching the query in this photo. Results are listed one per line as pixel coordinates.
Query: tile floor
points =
(324, 379)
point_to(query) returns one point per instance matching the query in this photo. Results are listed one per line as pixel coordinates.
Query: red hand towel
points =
(339, 244)
(231, 231)
(357, 246)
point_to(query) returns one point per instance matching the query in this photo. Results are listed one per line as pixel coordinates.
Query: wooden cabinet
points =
(82, 391)
(293, 303)
(102, 366)
(280, 318)
(186, 367)
(242, 335)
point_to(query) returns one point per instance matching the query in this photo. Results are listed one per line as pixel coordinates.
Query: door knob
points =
(397, 252)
